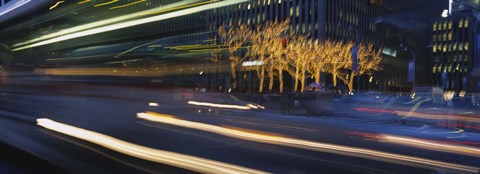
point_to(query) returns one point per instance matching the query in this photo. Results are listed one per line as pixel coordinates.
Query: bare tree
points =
(267, 47)
(321, 53)
(295, 57)
(369, 60)
(234, 38)
(340, 58)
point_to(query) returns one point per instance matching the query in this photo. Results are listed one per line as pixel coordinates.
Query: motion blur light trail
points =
(442, 146)
(310, 145)
(79, 28)
(248, 107)
(133, 23)
(170, 158)
(126, 5)
(434, 116)
(13, 7)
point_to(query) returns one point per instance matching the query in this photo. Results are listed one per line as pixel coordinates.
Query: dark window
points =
(377, 3)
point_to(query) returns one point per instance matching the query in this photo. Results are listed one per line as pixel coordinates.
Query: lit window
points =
(434, 48)
(460, 47)
(465, 47)
(455, 46)
(435, 26)
(466, 23)
(450, 36)
(460, 24)
(450, 25)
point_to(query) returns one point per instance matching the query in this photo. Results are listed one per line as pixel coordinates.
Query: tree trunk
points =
(297, 73)
(271, 76)
(280, 79)
(262, 79)
(350, 82)
(317, 75)
(334, 75)
(303, 81)
(233, 69)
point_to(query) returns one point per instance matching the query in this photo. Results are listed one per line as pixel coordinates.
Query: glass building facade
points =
(355, 20)
(455, 52)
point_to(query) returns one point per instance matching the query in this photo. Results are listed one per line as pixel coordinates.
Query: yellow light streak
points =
(219, 105)
(415, 107)
(155, 155)
(56, 4)
(126, 5)
(429, 145)
(100, 23)
(186, 6)
(105, 3)
(311, 145)
(436, 116)
(133, 23)
(85, 1)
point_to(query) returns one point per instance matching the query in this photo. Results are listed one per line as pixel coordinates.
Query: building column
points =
(3, 2)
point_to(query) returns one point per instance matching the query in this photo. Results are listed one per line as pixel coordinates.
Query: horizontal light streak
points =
(153, 104)
(431, 145)
(133, 23)
(310, 145)
(85, 1)
(13, 7)
(105, 3)
(126, 5)
(102, 22)
(219, 105)
(160, 156)
(439, 116)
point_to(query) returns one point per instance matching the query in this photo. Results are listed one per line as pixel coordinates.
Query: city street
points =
(111, 109)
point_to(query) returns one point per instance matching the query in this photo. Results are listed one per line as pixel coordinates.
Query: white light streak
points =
(133, 23)
(310, 145)
(160, 156)
(100, 23)
(253, 63)
(13, 7)
(220, 105)
(153, 104)
(430, 145)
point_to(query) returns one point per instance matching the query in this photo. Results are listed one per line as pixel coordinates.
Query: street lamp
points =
(413, 55)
